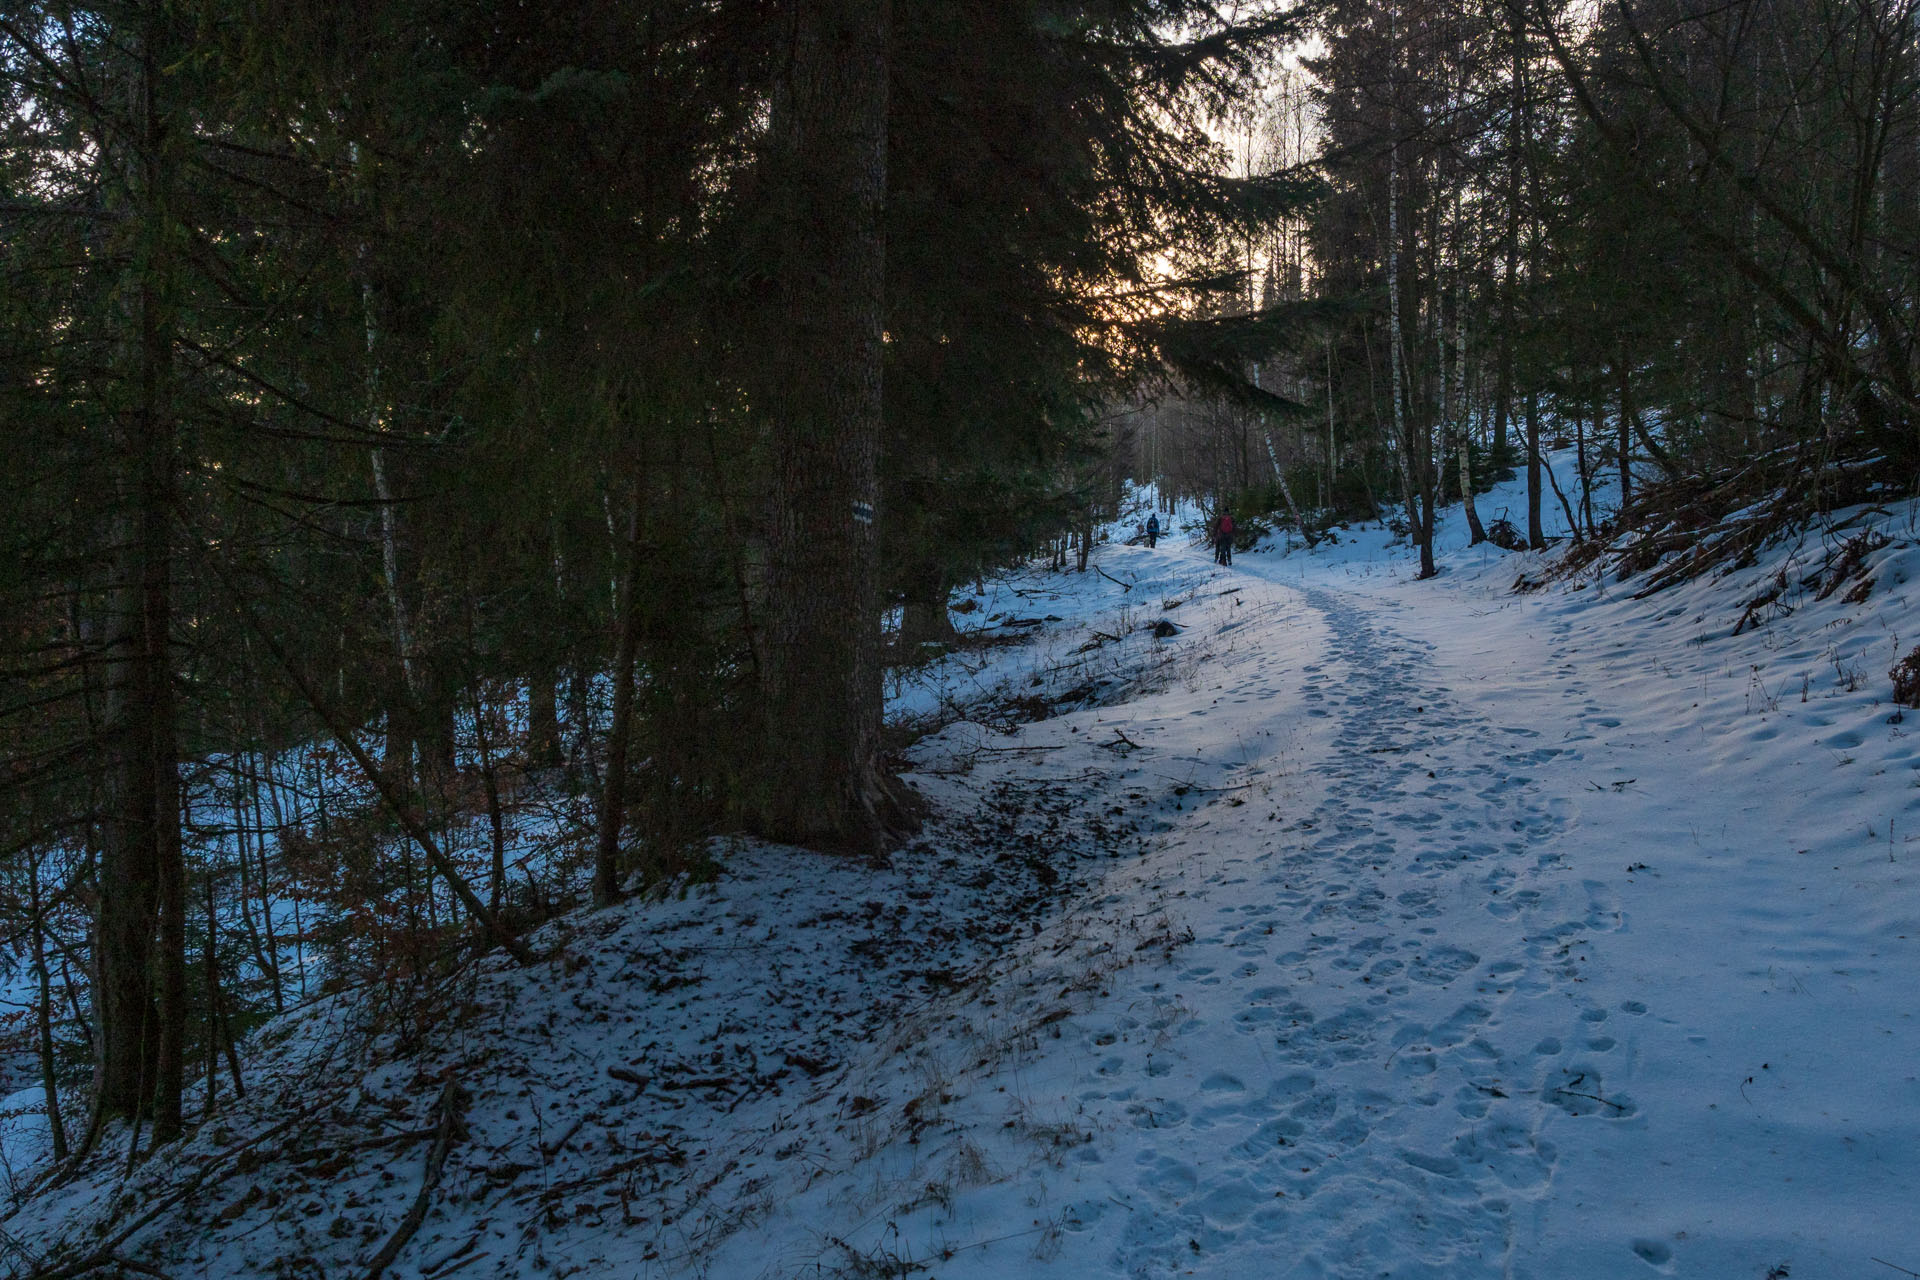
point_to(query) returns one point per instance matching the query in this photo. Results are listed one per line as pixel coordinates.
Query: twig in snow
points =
(461, 1265)
(140, 1268)
(607, 1173)
(1194, 786)
(1591, 1097)
(448, 1108)
(559, 1144)
(1124, 586)
(1902, 1270)
(445, 1261)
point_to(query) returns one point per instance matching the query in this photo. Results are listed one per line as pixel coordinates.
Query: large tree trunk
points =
(1522, 132)
(1397, 378)
(1415, 453)
(140, 943)
(822, 783)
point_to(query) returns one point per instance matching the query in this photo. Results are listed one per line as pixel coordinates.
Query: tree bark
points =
(543, 720)
(49, 1084)
(1624, 378)
(823, 783)
(1536, 536)
(260, 769)
(140, 940)
(612, 816)
(1395, 362)
(1462, 410)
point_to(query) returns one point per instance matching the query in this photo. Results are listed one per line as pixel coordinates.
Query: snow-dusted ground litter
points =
(1362, 927)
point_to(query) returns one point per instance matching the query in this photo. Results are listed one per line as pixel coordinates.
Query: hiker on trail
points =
(1223, 539)
(1153, 528)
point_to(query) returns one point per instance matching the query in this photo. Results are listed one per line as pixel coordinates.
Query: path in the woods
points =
(1558, 936)
(1388, 1037)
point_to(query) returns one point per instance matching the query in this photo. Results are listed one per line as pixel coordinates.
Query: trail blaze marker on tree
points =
(863, 512)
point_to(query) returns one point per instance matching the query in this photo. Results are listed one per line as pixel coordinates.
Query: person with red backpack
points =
(1223, 538)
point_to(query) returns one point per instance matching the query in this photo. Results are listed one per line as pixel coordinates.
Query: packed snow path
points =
(1383, 933)
(1508, 917)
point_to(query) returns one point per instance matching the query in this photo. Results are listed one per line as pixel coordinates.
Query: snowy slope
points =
(1364, 927)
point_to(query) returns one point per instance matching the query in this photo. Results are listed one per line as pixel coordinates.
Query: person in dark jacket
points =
(1153, 528)
(1223, 538)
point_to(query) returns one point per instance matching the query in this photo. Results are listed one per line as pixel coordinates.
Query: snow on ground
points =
(1362, 927)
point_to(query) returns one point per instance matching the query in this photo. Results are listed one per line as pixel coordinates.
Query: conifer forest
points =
(586, 688)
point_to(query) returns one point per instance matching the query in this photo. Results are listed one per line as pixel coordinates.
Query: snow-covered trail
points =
(1445, 1022)
(1352, 1085)
(1526, 936)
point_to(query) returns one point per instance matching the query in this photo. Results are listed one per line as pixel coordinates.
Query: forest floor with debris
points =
(1361, 926)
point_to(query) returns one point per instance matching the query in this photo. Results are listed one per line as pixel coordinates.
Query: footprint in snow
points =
(1442, 965)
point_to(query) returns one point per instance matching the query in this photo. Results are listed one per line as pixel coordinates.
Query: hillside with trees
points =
(476, 476)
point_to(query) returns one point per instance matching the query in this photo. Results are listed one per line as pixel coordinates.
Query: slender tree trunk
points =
(390, 795)
(1462, 410)
(823, 783)
(219, 1026)
(489, 775)
(1522, 128)
(1624, 378)
(389, 535)
(240, 828)
(1503, 359)
(1427, 472)
(1333, 473)
(401, 699)
(49, 1081)
(1536, 536)
(1416, 454)
(1580, 461)
(210, 964)
(261, 764)
(1415, 478)
(1566, 504)
(543, 719)
(1286, 492)
(282, 824)
(612, 816)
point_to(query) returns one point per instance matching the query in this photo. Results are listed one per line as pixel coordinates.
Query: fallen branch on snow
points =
(448, 1108)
